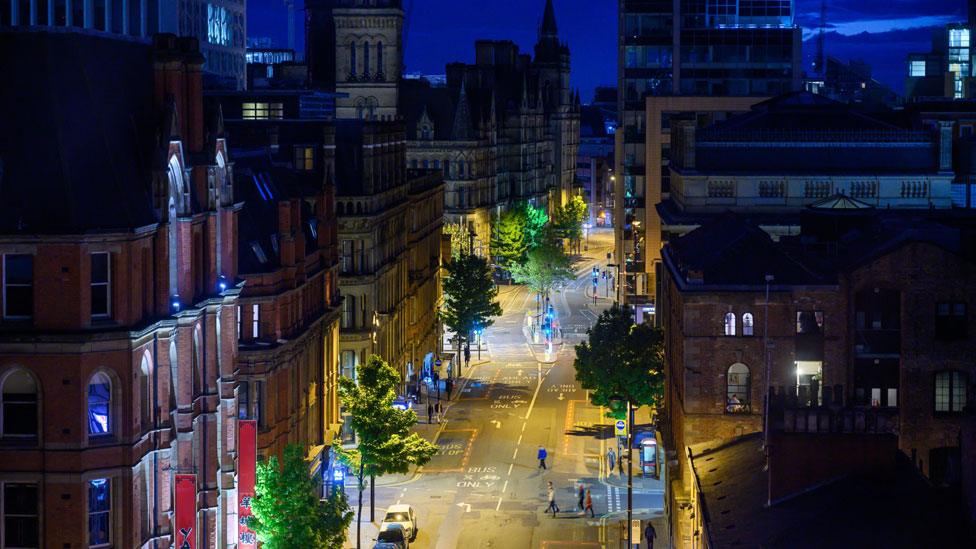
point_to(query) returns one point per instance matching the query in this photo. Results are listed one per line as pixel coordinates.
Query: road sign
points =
(437, 363)
(621, 427)
(635, 532)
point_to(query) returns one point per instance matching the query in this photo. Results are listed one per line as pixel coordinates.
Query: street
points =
(485, 488)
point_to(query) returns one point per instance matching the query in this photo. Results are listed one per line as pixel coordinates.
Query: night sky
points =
(880, 32)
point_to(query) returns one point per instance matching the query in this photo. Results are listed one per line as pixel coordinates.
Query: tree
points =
(535, 225)
(545, 267)
(287, 510)
(621, 359)
(386, 444)
(460, 239)
(469, 296)
(567, 221)
(509, 241)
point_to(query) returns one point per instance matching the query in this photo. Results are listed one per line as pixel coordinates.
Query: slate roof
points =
(418, 97)
(854, 511)
(77, 144)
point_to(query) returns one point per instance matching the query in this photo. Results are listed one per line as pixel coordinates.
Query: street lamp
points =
(616, 401)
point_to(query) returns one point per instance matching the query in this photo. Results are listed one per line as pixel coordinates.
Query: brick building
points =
(289, 306)
(865, 309)
(117, 346)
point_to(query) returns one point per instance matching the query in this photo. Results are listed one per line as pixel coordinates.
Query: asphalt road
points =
(485, 488)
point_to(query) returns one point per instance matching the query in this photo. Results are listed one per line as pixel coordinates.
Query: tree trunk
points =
(359, 513)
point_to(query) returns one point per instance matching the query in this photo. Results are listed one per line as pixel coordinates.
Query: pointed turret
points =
(548, 27)
(462, 116)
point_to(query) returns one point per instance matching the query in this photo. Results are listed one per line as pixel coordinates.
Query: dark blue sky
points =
(880, 32)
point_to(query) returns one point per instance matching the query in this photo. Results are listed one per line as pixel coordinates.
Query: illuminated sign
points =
(247, 442)
(186, 511)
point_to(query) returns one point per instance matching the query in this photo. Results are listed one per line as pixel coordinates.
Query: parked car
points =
(392, 537)
(404, 516)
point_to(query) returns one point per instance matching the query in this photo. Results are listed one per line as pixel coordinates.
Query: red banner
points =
(186, 511)
(247, 449)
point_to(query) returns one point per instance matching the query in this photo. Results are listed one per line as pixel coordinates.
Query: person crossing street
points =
(551, 493)
(541, 456)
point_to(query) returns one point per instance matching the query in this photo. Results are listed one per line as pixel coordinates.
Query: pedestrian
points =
(581, 493)
(430, 413)
(589, 504)
(611, 461)
(650, 534)
(552, 500)
(620, 461)
(448, 385)
(439, 411)
(541, 455)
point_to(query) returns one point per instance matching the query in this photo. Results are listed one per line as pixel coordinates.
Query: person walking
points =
(650, 534)
(430, 413)
(551, 493)
(611, 461)
(439, 411)
(541, 456)
(589, 504)
(581, 495)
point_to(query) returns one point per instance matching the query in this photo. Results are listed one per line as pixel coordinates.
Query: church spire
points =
(462, 116)
(548, 27)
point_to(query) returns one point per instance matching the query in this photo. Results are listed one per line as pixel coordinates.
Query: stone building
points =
(866, 309)
(118, 347)
(390, 221)
(354, 47)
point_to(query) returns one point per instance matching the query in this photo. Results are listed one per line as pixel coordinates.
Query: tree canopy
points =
(545, 267)
(567, 221)
(469, 295)
(621, 359)
(287, 510)
(536, 221)
(509, 241)
(385, 442)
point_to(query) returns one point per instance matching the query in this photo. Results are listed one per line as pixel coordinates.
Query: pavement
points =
(484, 488)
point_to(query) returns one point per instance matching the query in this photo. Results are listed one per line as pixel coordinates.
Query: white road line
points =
(536, 394)
(523, 426)
(499, 506)
(519, 441)
(515, 454)
(510, 465)
(505, 487)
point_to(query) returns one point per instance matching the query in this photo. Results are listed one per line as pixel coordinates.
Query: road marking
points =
(499, 506)
(515, 454)
(536, 394)
(505, 487)
(524, 423)
(519, 440)
(510, 465)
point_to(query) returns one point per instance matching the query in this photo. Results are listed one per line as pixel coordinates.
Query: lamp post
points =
(630, 463)
(769, 279)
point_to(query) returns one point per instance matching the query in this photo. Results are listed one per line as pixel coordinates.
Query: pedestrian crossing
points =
(613, 499)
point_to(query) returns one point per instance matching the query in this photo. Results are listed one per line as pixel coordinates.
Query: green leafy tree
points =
(621, 359)
(460, 239)
(287, 510)
(469, 296)
(546, 266)
(567, 221)
(509, 241)
(386, 444)
(536, 222)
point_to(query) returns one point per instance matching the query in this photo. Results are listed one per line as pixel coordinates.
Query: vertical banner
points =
(186, 511)
(247, 447)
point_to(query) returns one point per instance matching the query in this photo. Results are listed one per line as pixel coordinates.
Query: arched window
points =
(145, 393)
(18, 413)
(352, 59)
(747, 324)
(366, 59)
(379, 59)
(737, 389)
(100, 405)
(729, 324)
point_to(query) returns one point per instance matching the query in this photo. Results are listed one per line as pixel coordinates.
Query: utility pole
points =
(630, 474)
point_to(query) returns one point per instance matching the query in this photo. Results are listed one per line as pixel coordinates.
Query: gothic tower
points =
(355, 47)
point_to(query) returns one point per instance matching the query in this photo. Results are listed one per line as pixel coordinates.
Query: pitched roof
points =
(548, 26)
(78, 137)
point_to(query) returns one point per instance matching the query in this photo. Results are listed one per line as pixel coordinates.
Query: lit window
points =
(737, 389)
(18, 413)
(958, 38)
(262, 111)
(950, 391)
(916, 68)
(21, 527)
(255, 320)
(747, 324)
(101, 279)
(99, 405)
(729, 324)
(99, 512)
(304, 158)
(18, 286)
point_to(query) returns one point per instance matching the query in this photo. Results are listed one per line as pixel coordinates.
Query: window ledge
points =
(19, 441)
(101, 440)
